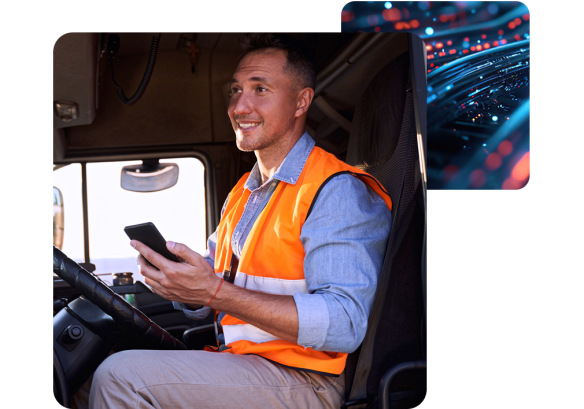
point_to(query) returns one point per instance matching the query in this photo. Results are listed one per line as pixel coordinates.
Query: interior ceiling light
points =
(67, 111)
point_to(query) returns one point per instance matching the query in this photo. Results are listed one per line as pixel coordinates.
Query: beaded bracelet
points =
(220, 284)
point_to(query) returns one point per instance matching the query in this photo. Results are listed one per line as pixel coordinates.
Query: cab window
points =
(178, 212)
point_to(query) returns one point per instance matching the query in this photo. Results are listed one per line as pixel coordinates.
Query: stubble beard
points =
(264, 140)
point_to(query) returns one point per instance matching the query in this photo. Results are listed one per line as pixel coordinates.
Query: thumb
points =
(182, 251)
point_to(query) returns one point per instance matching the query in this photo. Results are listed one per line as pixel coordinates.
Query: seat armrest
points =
(198, 337)
(414, 397)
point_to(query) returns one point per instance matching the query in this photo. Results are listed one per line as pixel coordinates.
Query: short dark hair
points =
(299, 62)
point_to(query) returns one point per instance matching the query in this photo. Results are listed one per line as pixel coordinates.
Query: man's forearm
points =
(276, 314)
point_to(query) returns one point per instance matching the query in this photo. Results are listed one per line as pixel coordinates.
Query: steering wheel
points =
(148, 334)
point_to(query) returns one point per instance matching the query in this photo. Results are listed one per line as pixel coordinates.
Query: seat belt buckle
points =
(229, 275)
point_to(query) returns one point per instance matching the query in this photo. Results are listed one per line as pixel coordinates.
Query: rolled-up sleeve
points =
(344, 240)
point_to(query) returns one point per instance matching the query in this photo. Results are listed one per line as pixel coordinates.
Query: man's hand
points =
(194, 283)
(191, 281)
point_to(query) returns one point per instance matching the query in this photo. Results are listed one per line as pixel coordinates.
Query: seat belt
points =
(229, 276)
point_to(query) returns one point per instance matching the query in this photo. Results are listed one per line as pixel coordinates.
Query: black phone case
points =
(148, 234)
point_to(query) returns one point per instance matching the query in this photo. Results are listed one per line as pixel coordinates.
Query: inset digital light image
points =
(478, 85)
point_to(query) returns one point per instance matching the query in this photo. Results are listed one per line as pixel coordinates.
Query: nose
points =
(241, 104)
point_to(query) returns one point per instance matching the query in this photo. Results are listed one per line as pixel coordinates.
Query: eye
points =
(261, 89)
(235, 90)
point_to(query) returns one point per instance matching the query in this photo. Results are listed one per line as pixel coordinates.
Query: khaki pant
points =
(200, 379)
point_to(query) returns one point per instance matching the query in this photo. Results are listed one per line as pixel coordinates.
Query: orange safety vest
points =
(272, 259)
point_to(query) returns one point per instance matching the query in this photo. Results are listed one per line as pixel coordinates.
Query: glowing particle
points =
(388, 5)
(493, 8)
(392, 15)
(477, 178)
(424, 5)
(484, 144)
(429, 31)
(511, 184)
(526, 35)
(495, 118)
(493, 161)
(501, 32)
(347, 16)
(372, 19)
(505, 148)
(521, 169)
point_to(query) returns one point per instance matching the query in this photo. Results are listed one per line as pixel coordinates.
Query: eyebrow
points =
(258, 79)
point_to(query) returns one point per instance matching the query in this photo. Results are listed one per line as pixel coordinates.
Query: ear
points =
(303, 101)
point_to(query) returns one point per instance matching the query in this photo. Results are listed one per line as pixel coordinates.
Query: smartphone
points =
(148, 234)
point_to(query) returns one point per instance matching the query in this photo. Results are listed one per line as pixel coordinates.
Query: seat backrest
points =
(383, 142)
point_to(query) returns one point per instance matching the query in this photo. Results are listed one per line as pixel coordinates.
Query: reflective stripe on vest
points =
(272, 259)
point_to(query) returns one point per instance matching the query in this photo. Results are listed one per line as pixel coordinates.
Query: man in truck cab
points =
(305, 236)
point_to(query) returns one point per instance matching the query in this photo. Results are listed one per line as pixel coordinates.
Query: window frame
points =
(211, 213)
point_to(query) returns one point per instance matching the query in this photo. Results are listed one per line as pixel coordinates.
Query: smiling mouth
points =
(248, 126)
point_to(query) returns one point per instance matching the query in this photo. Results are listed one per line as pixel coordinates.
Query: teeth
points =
(248, 125)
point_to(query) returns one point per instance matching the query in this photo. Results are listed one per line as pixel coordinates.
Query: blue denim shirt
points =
(344, 241)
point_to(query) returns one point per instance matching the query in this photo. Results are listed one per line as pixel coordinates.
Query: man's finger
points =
(159, 261)
(147, 270)
(184, 252)
(156, 287)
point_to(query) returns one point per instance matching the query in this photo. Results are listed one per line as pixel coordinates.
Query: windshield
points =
(177, 212)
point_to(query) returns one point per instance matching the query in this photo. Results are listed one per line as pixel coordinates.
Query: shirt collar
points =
(290, 169)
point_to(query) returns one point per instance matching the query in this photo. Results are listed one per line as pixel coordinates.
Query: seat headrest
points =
(379, 123)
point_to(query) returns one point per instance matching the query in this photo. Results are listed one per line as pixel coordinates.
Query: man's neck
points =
(270, 158)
